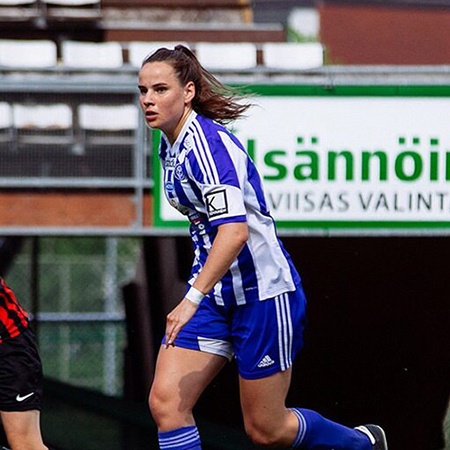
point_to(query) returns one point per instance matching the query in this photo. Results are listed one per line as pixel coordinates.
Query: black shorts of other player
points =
(20, 374)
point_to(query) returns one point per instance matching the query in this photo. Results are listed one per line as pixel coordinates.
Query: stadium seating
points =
(93, 55)
(43, 124)
(28, 53)
(34, 54)
(137, 51)
(16, 11)
(292, 56)
(196, 32)
(233, 56)
(6, 122)
(107, 138)
(57, 10)
(108, 124)
(43, 141)
(71, 2)
(239, 10)
(16, 2)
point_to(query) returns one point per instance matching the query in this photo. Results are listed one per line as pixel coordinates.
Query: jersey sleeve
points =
(217, 168)
(224, 204)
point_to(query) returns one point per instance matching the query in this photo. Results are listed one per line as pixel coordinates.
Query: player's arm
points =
(228, 243)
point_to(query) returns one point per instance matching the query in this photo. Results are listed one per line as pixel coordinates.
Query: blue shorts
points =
(264, 336)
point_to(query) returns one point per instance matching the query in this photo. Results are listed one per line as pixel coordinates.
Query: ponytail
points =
(212, 99)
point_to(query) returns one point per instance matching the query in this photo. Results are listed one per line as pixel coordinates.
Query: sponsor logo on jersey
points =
(170, 163)
(216, 203)
(169, 186)
(266, 362)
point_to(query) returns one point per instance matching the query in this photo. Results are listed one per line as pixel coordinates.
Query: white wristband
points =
(194, 295)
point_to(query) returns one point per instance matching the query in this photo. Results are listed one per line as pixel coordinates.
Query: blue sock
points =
(186, 438)
(316, 432)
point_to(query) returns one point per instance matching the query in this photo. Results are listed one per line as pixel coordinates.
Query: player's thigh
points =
(181, 376)
(263, 399)
(201, 349)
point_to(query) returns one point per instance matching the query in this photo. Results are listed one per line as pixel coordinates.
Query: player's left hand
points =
(178, 318)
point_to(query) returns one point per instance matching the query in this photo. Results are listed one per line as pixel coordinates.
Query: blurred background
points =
(86, 247)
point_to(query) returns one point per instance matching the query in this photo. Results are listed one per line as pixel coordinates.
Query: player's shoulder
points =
(213, 133)
(208, 128)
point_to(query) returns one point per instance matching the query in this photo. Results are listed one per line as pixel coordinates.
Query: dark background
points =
(376, 348)
(377, 342)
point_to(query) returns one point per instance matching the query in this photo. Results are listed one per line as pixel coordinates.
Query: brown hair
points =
(212, 99)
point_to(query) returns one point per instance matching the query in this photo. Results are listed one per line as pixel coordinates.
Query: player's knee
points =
(165, 406)
(158, 405)
(261, 435)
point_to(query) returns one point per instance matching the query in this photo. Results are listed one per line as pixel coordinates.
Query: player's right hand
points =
(177, 319)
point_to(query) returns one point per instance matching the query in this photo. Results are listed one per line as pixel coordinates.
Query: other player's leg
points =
(21, 391)
(23, 430)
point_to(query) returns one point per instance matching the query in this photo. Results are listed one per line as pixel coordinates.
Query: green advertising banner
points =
(348, 157)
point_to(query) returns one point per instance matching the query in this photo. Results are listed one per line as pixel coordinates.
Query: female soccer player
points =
(20, 376)
(244, 296)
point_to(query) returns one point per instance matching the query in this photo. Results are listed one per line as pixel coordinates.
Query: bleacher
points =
(41, 12)
(37, 55)
(88, 126)
(68, 96)
(84, 131)
(116, 20)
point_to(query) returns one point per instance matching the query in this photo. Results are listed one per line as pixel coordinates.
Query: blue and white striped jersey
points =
(209, 177)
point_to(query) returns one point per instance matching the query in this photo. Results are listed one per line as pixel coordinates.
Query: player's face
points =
(164, 101)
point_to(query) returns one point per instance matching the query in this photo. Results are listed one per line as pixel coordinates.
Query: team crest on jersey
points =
(179, 173)
(216, 203)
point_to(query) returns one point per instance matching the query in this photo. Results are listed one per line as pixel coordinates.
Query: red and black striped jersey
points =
(13, 318)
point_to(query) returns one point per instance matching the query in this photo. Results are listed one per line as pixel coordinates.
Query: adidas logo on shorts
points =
(266, 362)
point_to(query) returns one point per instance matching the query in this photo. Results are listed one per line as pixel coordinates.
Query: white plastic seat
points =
(295, 56)
(139, 50)
(92, 55)
(28, 53)
(16, 2)
(5, 122)
(77, 10)
(108, 118)
(233, 56)
(112, 125)
(43, 125)
(71, 2)
(5, 115)
(56, 116)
